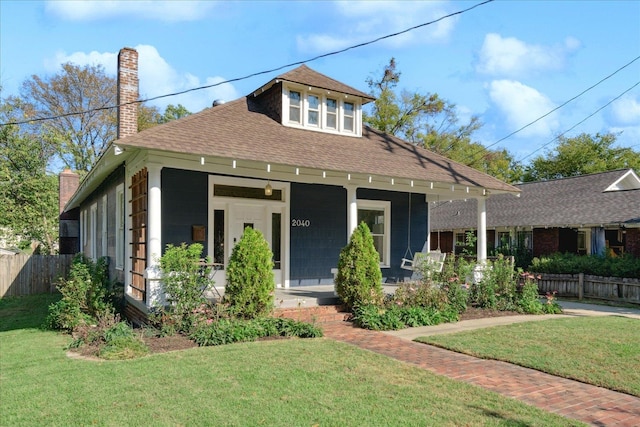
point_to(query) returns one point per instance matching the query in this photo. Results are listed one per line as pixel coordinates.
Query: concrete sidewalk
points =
(570, 309)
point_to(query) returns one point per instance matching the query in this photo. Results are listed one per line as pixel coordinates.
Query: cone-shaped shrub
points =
(250, 285)
(359, 279)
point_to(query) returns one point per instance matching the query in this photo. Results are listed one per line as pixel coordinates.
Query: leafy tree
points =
(79, 139)
(432, 122)
(28, 195)
(250, 283)
(173, 112)
(580, 155)
(359, 279)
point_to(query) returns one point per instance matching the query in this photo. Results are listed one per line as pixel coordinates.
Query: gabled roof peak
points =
(306, 76)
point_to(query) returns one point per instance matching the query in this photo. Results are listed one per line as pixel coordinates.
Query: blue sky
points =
(508, 62)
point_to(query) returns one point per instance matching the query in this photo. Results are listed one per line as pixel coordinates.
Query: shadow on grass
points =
(25, 312)
(489, 413)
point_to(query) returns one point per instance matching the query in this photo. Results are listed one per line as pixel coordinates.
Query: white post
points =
(352, 210)
(154, 236)
(482, 230)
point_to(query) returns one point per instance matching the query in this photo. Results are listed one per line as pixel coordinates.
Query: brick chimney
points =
(127, 92)
(69, 221)
(69, 182)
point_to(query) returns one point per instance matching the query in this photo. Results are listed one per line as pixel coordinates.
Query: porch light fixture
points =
(268, 189)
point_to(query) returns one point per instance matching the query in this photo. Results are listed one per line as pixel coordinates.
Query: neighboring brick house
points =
(596, 213)
(292, 159)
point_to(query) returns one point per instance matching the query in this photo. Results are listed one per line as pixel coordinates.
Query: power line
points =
(315, 58)
(579, 123)
(473, 156)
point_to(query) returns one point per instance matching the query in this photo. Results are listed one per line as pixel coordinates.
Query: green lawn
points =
(604, 351)
(284, 383)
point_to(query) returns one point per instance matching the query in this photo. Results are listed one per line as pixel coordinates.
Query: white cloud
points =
(168, 11)
(364, 21)
(626, 111)
(157, 77)
(521, 105)
(512, 57)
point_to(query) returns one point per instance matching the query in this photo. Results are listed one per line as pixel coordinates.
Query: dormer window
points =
(349, 116)
(332, 114)
(314, 109)
(295, 106)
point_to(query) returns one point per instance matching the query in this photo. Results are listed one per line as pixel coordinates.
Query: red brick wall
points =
(68, 184)
(545, 241)
(632, 244)
(127, 92)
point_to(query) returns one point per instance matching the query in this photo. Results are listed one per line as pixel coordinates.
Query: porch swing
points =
(415, 262)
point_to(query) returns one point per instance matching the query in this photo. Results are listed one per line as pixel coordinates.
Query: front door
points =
(261, 217)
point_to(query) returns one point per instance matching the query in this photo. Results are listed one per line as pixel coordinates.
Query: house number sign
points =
(300, 223)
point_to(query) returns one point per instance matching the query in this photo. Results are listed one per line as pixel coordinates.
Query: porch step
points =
(316, 314)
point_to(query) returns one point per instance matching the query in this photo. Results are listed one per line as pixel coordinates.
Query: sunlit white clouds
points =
(510, 57)
(365, 21)
(157, 77)
(521, 105)
(168, 11)
(626, 111)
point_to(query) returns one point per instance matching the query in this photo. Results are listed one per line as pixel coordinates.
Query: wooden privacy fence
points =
(595, 287)
(31, 274)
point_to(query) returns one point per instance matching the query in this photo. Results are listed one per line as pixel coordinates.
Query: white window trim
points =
(83, 230)
(93, 220)
(385, 206)
(322, 120)
(120, 219)
(103, 230)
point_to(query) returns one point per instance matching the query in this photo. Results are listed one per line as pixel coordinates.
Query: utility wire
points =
(481, 151)
(315, 58)
(579, 123)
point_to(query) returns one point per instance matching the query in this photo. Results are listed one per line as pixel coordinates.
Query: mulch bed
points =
(180, 342)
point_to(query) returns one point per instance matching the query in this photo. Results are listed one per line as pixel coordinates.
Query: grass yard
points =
(603, 351)
(284, 382)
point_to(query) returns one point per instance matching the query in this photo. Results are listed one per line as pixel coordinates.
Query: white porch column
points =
(352, 210)
(482, 230)
(154, 236)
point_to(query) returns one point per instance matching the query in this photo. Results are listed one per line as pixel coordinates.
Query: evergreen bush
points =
(359, 279)
(250, 284)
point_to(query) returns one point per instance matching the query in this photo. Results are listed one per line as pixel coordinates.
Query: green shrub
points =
(359, 279)
(529, 300)
(184, 281)
(622, 266)
(397, 317)
(84, 295)
(250, 284)
(109, 338)
(227, 331)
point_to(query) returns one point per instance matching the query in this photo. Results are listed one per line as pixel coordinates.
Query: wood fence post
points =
(580, 286)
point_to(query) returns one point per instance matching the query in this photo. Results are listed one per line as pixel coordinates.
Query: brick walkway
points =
(572, 399)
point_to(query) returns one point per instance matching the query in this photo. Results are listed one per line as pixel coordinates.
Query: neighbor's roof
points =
(583, 200)
(242, 130)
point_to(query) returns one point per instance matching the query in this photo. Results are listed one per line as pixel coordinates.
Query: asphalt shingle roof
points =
(243, 130)
(306, 76)
(572, 201)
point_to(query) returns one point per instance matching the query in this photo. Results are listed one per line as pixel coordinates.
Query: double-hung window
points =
(377, 215)
(313, 112)
(349, 116)
(120, 219)
(332, 114)
(295, 107)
